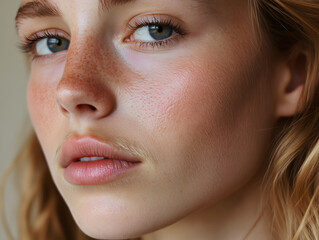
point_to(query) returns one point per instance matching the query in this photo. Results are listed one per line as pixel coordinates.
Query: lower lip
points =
(96, 172)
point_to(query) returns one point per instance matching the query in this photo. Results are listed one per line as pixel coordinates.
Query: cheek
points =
(164, 94)
(205, 113)
(42, 105)
(186, 95)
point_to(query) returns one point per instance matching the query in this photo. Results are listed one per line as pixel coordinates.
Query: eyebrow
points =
(38, 8)
(43, 8)
(106, 5)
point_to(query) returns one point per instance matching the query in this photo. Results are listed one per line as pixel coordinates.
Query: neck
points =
(239, 216)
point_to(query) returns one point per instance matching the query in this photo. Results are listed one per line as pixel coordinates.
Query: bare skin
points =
(198, 106)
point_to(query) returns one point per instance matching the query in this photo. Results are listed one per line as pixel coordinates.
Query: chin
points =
(111, 220)
(109, 226)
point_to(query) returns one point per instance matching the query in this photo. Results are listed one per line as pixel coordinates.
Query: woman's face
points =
(181, 87)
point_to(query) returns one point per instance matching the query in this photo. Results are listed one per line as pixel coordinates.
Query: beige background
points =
(13, 81)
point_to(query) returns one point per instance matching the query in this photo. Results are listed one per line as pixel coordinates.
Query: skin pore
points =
(197, 109)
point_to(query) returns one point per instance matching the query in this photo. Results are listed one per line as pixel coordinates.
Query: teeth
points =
(88, 159)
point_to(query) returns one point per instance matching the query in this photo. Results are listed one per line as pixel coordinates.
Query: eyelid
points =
(29, 42)
(155, 19)
(46, 32)
(144, 20)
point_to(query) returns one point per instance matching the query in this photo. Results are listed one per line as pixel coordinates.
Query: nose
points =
(83, 91)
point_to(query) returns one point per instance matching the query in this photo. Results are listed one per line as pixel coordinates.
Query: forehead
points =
(34, 7)
(110, 3)
(49, 8)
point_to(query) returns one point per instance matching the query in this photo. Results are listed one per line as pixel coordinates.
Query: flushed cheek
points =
(202, 109)
(175, 94)
(43, 110)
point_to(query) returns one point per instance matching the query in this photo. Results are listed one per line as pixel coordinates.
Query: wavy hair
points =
(291, 184)
(292, 181)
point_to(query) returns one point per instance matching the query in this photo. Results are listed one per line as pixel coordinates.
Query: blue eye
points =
(153, 33)
(51, 45)
(159, 32)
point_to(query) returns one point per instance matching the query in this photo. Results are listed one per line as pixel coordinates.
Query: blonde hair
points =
(292, 180)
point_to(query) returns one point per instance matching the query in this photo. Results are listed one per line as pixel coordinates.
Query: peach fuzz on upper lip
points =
(76, 147)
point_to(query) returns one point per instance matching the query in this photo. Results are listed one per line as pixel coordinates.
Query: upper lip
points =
(76, 147)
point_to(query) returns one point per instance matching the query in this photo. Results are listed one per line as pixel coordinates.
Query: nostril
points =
(86, 107)
(93, 108)
(63, 109)
(75, 103)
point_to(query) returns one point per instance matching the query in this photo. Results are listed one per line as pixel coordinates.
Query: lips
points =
(89, 161)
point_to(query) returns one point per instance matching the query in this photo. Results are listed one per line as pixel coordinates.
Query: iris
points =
(57, 44)
(160, 32)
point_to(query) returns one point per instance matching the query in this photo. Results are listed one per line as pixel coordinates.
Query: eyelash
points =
(29, 43)
(149, 21)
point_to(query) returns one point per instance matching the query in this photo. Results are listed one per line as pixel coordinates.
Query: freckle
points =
(97, 58)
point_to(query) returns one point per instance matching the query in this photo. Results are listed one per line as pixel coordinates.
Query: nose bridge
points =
(83, 88)
(79, 70)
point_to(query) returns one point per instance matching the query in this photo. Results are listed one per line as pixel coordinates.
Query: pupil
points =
(160, 29)
(160, 32)
(57, 44)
